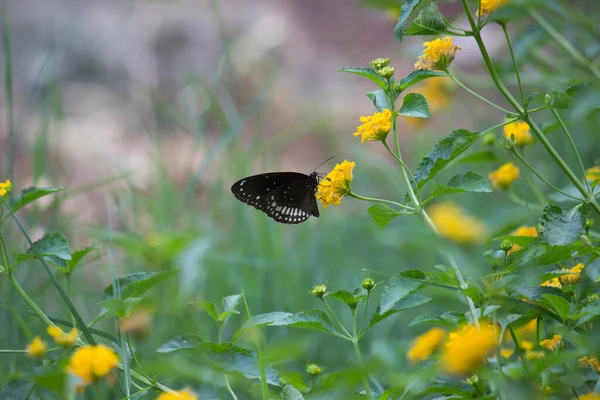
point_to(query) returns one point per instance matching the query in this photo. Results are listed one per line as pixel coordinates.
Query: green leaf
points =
(410, 301)
(394, 290)
(590, 312)
(137, 283)
(16, 390)
(53, 244)
(30, 195)
(559, 304)
(478, 157)
(442, 154)
(53, 380)
(405, 13)
(415, 105)
(345, 296)
(562, 228)
(310, 319)
(229, 306)
(368, 73)
(291, 393)
(509, 319)
(537, 293)
(121, 308)
(380, 100)
(429, 22)
(560, 100)
(179, 343)
(467, 182)
(573, 379)
(382, 215)
(210, 308)
(76, 258)
(416, 77)
(540, 254)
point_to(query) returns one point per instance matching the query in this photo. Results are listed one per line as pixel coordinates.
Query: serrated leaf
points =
(210, 308)
(590, 312)
(479, 157)
(29, 195)
(428, 22)
(368, 73)
(137, 283)
(380, 100)
(16, 390)
(345, 296)
(414, 105)
(121, 308)
(540, 254)
(562, 228)
(291, 393)
(77, 256)
(178, 343)
(557, 303)
(53, 244)
(229, 306)
(405, 13)
(467, 182)
(560, 100)
(416, 77)
(538, 292)
(509, 319)
(442, 154)
(394, 290)
(310, 319)
(450, 319)
(410, 301)
(382, 215)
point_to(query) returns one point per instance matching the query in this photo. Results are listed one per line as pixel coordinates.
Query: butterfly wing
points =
(287, 197)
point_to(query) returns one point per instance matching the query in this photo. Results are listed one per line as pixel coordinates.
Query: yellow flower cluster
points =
(551, 344)
(503, 177)
(591, 174)
(591, 362)
(490, 6)
(529, 231)
(568, 279)
(185, 394)
(5, 187)
(520, 130)
(453, 223)
(466, 348)
(590, 396)
(92, 362)
(336, 184)
(36, 348)
(438, 54)
(375, 127)
(62, 338)
(425, 345)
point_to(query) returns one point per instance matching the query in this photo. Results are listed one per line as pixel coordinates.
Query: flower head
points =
(590, 396)
(319, 291)
(590, 362)
(592, 174)
(551, 344)
(438, 54)
(184, 394)
(375, 127)
(573, 277)
(503, 177)
(554, 282)
(368, 284)
(336, 184)
(520, 130)
(425, 345)
(454, 224)
(466, 348)
(62, 338)
(5, 187)
(92, 362)
(380, 63)
(490, 6)
(36, 348)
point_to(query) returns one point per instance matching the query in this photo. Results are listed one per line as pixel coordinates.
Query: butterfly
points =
(287, 197)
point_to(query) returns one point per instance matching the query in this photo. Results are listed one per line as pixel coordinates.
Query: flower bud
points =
(510, 142)
(368, 284)
(319, 291)
(489, 139)
(314, 369)
(380, 63)
(506, 245)
(473, 380)
(387, 72)
(588, 224)
(586, 241)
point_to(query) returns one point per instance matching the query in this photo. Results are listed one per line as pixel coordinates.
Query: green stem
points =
(28, 300)
(514, 60)
(522, 159)
(402, 165)
(8, 80)
(359, 356)
(534, 110)
(356, 196)
(220, 328)
(564, 127)
(364, 319)
(335, 318)
(478, 95)
(564, 43)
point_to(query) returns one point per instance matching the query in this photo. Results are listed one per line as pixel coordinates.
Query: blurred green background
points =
(147, 111)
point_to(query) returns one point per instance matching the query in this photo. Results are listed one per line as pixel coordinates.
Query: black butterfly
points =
(287, 197)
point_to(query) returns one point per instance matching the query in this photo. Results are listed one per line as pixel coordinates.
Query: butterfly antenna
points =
(324, 162)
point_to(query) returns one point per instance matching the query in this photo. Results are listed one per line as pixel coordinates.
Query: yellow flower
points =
(91, 362)
(526, 345)
(438, 54)
(425, 345)
(506, 353)
(528, 328)
(503, 177)
(520, 130)
(591, 362)
(590, 396)
(551, 344)
(573, 277)
(534, 355)
(554, 282)
(62, 338)
(530, 231)
(490, 6)
(375, 127)
(185, 394)
(453, 223)
(319, 291)
(336, 184)
(36, 348)
(466, 349)
(5, 187)
(592, 174)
